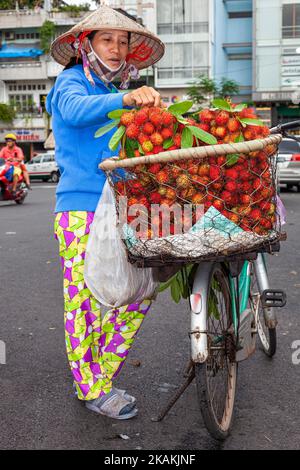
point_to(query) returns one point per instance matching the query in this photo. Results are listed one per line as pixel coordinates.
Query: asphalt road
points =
(37, 407)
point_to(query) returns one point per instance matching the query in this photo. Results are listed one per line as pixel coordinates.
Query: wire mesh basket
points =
(196, 204)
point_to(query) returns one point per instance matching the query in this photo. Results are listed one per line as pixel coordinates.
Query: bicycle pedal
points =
(273, 298)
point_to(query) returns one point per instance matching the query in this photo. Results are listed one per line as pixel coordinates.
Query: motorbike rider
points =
(14, 155)
(10, 173)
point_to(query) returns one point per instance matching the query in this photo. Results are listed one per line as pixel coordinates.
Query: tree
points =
(206, 89)
(7, 113)
(228, 87)
(47, 32)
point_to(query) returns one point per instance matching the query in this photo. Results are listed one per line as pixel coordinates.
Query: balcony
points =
(182, 28)
(23, 70)
(22, 18)
(291, 32)
(34, 19)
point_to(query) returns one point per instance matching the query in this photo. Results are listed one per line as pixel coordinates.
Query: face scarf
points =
(92, 61)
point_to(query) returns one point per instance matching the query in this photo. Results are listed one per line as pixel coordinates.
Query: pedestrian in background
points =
(103, 47)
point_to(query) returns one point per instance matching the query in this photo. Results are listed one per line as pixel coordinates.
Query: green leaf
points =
(117, 113)
(103, 130)
(221, 104)
(180, 108)
(129, 148)
(239, 139)
(181, 119)
(213, 305)
(168, 143)
(175, 291)
(240, 108)
(187, 138)
(186, 287)
(115, 140)
(252, 122)
(232, 159)
(140, 149)
(175, 127)
(203, 136)
(165, 285)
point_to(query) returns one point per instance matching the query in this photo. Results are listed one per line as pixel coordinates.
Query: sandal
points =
(112, 405)
(125, 395)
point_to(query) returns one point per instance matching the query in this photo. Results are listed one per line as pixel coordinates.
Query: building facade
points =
(186, 28)
(26, 73)
(276, 71)
(233, 44)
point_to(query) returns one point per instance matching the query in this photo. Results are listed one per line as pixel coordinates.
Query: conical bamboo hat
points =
(145, 47)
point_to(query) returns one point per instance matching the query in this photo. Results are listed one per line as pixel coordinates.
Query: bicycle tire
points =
(267, 336)
(218, 422)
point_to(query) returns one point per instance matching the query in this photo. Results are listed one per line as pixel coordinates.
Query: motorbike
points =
(6, 192)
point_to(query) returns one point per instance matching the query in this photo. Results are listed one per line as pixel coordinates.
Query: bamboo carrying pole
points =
(111, 164)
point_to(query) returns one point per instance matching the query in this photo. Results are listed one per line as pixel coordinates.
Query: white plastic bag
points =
(113, 281)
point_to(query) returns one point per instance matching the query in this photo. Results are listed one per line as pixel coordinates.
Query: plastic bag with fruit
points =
(110, 277)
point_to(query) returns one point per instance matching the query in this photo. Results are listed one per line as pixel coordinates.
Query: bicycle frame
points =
(199, 307)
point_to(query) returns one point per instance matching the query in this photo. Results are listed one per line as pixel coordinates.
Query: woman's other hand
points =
(144, 96)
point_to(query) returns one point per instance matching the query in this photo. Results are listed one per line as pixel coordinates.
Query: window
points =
(240, 14)
(9, 35)
(22, 103)
(182, 16)
(36, 160)
(184, 60)
(47, 158)
(289, 146)
(291, 21)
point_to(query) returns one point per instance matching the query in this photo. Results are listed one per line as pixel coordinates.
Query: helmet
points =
(10, 136)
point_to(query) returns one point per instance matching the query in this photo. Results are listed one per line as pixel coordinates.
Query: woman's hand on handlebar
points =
(144, 96)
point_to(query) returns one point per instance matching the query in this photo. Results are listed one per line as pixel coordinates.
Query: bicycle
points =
(231, 304)
(241, 285)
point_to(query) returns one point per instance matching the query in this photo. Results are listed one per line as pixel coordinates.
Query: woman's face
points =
(111, 46)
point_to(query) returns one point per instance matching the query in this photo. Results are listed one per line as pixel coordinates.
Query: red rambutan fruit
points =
(148, 128)
(132, 131)
(222, 118)
(156, 138)
(233, 125)
(127, 118)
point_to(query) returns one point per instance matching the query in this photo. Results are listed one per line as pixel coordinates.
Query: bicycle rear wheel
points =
(216, 379)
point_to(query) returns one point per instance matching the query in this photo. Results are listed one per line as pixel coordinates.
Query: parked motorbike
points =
(6, 192)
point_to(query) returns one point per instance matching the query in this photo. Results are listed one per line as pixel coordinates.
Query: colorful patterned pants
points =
(96, 347)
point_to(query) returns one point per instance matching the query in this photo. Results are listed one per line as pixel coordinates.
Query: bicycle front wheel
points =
(216, 379)
(259, 282)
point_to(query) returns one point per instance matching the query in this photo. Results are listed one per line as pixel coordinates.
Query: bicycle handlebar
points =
(282, 128)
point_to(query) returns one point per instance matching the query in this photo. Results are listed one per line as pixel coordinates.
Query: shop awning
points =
(12, 50)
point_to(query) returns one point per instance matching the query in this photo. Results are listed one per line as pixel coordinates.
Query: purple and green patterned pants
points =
(96, 347)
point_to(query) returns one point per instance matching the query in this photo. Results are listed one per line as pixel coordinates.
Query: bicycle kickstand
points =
(190, 375)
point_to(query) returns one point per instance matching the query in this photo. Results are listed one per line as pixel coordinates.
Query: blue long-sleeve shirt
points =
(78, 109)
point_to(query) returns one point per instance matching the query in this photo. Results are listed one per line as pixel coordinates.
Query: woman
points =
(104, 46)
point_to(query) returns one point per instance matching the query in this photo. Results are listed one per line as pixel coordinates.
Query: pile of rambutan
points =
(240, 187)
